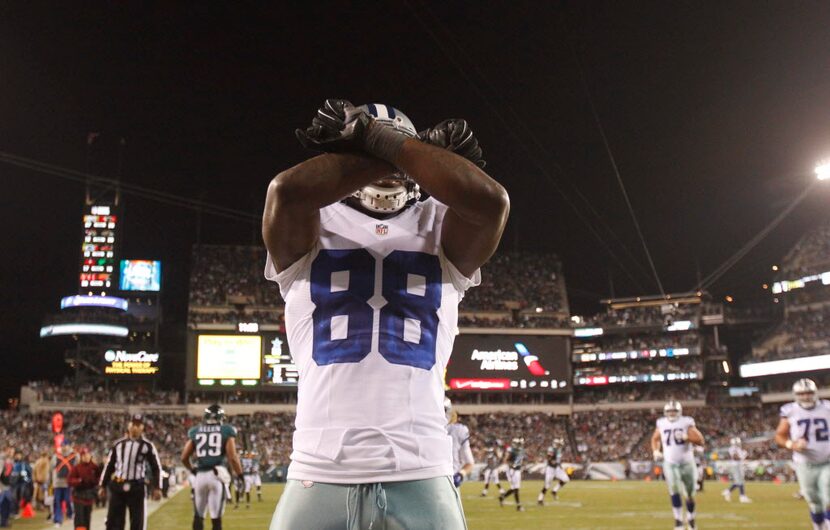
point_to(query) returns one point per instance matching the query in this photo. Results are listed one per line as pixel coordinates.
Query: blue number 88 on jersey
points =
(342, 284)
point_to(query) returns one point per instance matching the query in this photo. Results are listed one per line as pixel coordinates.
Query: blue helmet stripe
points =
(391, 112)
(373, 110)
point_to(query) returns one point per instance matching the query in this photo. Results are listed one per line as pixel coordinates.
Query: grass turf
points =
(582, 505)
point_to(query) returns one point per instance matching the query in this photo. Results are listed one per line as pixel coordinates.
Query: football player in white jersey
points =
(554, 471)
(804, 428)
(737, 455)
(462, 455)
(371, 279)
(673, 441)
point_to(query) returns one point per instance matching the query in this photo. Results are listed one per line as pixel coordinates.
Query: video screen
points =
(229, 357)
(140, 275)
(527, 363)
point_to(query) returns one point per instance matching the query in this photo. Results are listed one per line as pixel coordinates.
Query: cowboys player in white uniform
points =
(492, 463)
(737, 456)
(554, 471)
(672, 442)
(371, 288)
(462, 455)
(804, 428)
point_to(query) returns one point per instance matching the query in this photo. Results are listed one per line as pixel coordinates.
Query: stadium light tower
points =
(823, 170)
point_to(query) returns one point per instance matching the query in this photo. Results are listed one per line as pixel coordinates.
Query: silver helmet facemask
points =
(391, 198)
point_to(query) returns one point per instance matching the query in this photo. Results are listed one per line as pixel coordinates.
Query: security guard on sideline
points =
(125, 472)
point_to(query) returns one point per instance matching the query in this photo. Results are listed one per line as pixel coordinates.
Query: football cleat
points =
(727, 495)
(746, 500)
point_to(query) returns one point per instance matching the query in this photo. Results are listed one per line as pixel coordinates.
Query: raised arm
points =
(291, 221)
(478, 205)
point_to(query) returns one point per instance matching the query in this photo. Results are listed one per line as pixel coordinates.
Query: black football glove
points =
(454, 135)
(340, 127)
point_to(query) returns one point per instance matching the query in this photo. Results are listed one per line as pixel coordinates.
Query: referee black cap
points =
(137, 418)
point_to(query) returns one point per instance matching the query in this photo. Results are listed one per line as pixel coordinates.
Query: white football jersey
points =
(371, 313)
(813, 425)
(461, 452)
(737, 453)
(675, 449)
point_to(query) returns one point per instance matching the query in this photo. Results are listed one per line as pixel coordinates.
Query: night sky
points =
(715, 112)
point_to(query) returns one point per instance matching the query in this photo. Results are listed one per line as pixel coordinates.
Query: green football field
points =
(582, 505)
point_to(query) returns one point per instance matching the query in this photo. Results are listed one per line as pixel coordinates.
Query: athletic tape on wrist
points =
(384, 142)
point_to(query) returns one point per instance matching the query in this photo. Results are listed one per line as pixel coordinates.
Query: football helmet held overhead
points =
(806, 393)
(399, 190)
(214, 414)
(673, 410)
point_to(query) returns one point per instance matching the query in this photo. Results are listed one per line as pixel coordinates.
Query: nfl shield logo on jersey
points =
(381, 229)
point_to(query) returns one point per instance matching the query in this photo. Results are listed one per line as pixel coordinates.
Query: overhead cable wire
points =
(549, 178)
(716, 274)
(133, 189)
(616, 169)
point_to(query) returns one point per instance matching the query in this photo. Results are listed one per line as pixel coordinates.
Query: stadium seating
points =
(525, 290)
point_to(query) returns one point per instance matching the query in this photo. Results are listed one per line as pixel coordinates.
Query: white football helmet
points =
(735, 441)
(673, 410)
(558, 442)
(806, 393)
(401, 189)
(518, 441)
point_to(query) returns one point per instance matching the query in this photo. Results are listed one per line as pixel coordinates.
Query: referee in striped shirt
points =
(124, 475)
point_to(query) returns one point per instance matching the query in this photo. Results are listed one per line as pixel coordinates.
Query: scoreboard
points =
(98, 249)
(509, 363)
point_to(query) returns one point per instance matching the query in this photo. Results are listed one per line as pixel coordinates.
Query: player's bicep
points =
(290, 227)
(468, 245)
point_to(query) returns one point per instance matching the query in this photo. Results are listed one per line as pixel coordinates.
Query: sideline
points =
(99, 515)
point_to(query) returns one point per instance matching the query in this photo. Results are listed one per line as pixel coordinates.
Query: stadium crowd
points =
(231, 277)
(637, 367)
(643, 392)
(518, 280)
(226, 275)
(811, 255)
(645, 316)
(803, 332)
(87, 393)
